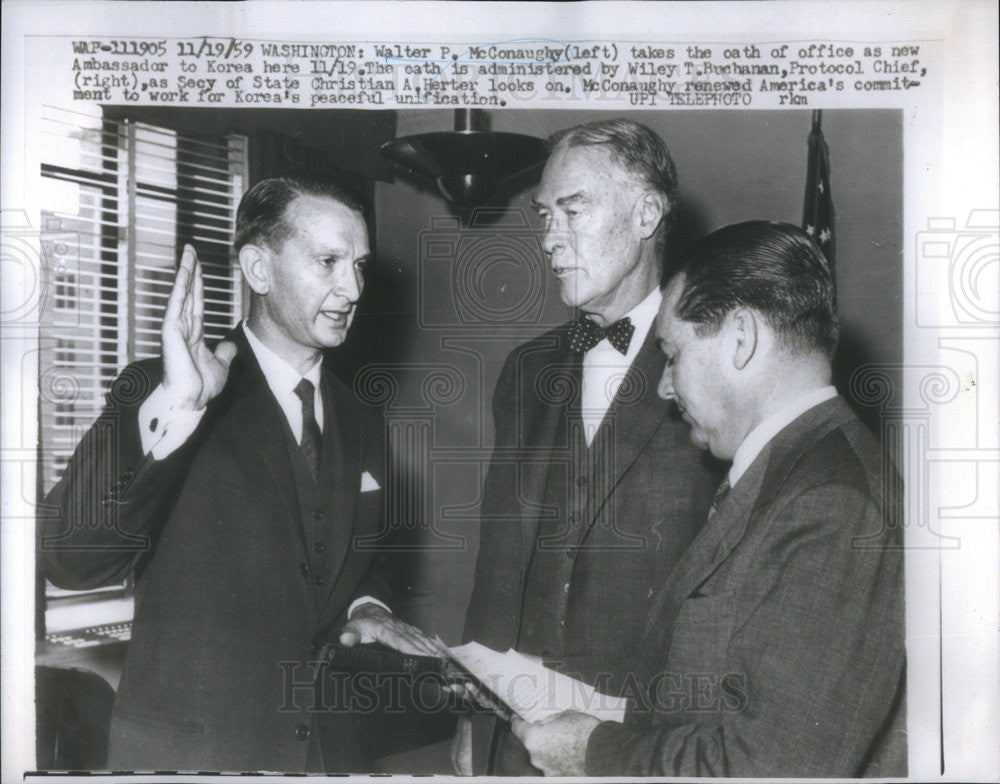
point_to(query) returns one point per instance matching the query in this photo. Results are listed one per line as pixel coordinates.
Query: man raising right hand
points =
(231, 484)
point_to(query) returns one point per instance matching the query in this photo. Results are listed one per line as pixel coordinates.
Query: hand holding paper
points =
(531, 690)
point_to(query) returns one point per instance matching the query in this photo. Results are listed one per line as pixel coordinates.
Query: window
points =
(120, 198)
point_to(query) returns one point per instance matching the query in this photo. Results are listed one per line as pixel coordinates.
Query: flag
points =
(817, 209)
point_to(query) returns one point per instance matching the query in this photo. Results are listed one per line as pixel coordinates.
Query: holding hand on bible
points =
(371, 622)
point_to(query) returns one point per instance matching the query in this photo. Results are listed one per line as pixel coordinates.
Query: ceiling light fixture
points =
(469, 163)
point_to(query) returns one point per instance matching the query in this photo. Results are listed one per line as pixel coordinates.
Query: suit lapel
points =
(340, 480)
(632, 419)
(540, 423)
(255, 422)
(714, 542)
(723, 531)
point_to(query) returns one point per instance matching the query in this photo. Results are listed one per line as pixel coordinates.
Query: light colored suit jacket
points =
(776, 649)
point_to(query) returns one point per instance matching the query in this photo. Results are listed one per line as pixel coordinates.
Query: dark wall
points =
(446, 301)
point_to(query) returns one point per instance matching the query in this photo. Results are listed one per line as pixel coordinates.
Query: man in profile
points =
(231, 484)
(593, 490)
(776, 647)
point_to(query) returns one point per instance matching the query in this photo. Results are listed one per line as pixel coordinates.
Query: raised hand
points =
(192, 375)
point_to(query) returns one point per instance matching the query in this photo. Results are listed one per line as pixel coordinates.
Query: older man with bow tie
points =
(593, 490)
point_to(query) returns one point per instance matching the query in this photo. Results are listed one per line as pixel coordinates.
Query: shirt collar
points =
(281, 377)
(642, 316)
(759, 437)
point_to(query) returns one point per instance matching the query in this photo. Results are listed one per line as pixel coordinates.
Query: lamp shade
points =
(469, 163)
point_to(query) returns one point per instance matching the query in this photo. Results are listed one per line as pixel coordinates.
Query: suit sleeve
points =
(816, 647)
(102, 514)
(375, 585)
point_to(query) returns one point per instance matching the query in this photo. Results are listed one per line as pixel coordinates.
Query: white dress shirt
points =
(282, 378)
(163, 428)
(759, 437)
(604, 367)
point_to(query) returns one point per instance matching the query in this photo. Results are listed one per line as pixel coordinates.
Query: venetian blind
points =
(120, 198)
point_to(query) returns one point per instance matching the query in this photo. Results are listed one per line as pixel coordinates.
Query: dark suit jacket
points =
(654, 495)
(227, 612)
(777, 647)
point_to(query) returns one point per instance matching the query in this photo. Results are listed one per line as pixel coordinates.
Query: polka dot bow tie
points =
(584, 334)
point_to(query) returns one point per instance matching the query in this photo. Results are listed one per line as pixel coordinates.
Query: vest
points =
(315, 521)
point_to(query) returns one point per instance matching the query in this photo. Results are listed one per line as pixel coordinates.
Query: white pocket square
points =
(368, 483)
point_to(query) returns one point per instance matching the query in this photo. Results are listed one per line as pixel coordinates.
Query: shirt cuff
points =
(163, 427)
(366, 600)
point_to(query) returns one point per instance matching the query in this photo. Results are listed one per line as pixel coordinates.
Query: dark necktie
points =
(720, 495)
(585, 333)
(312, 439)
